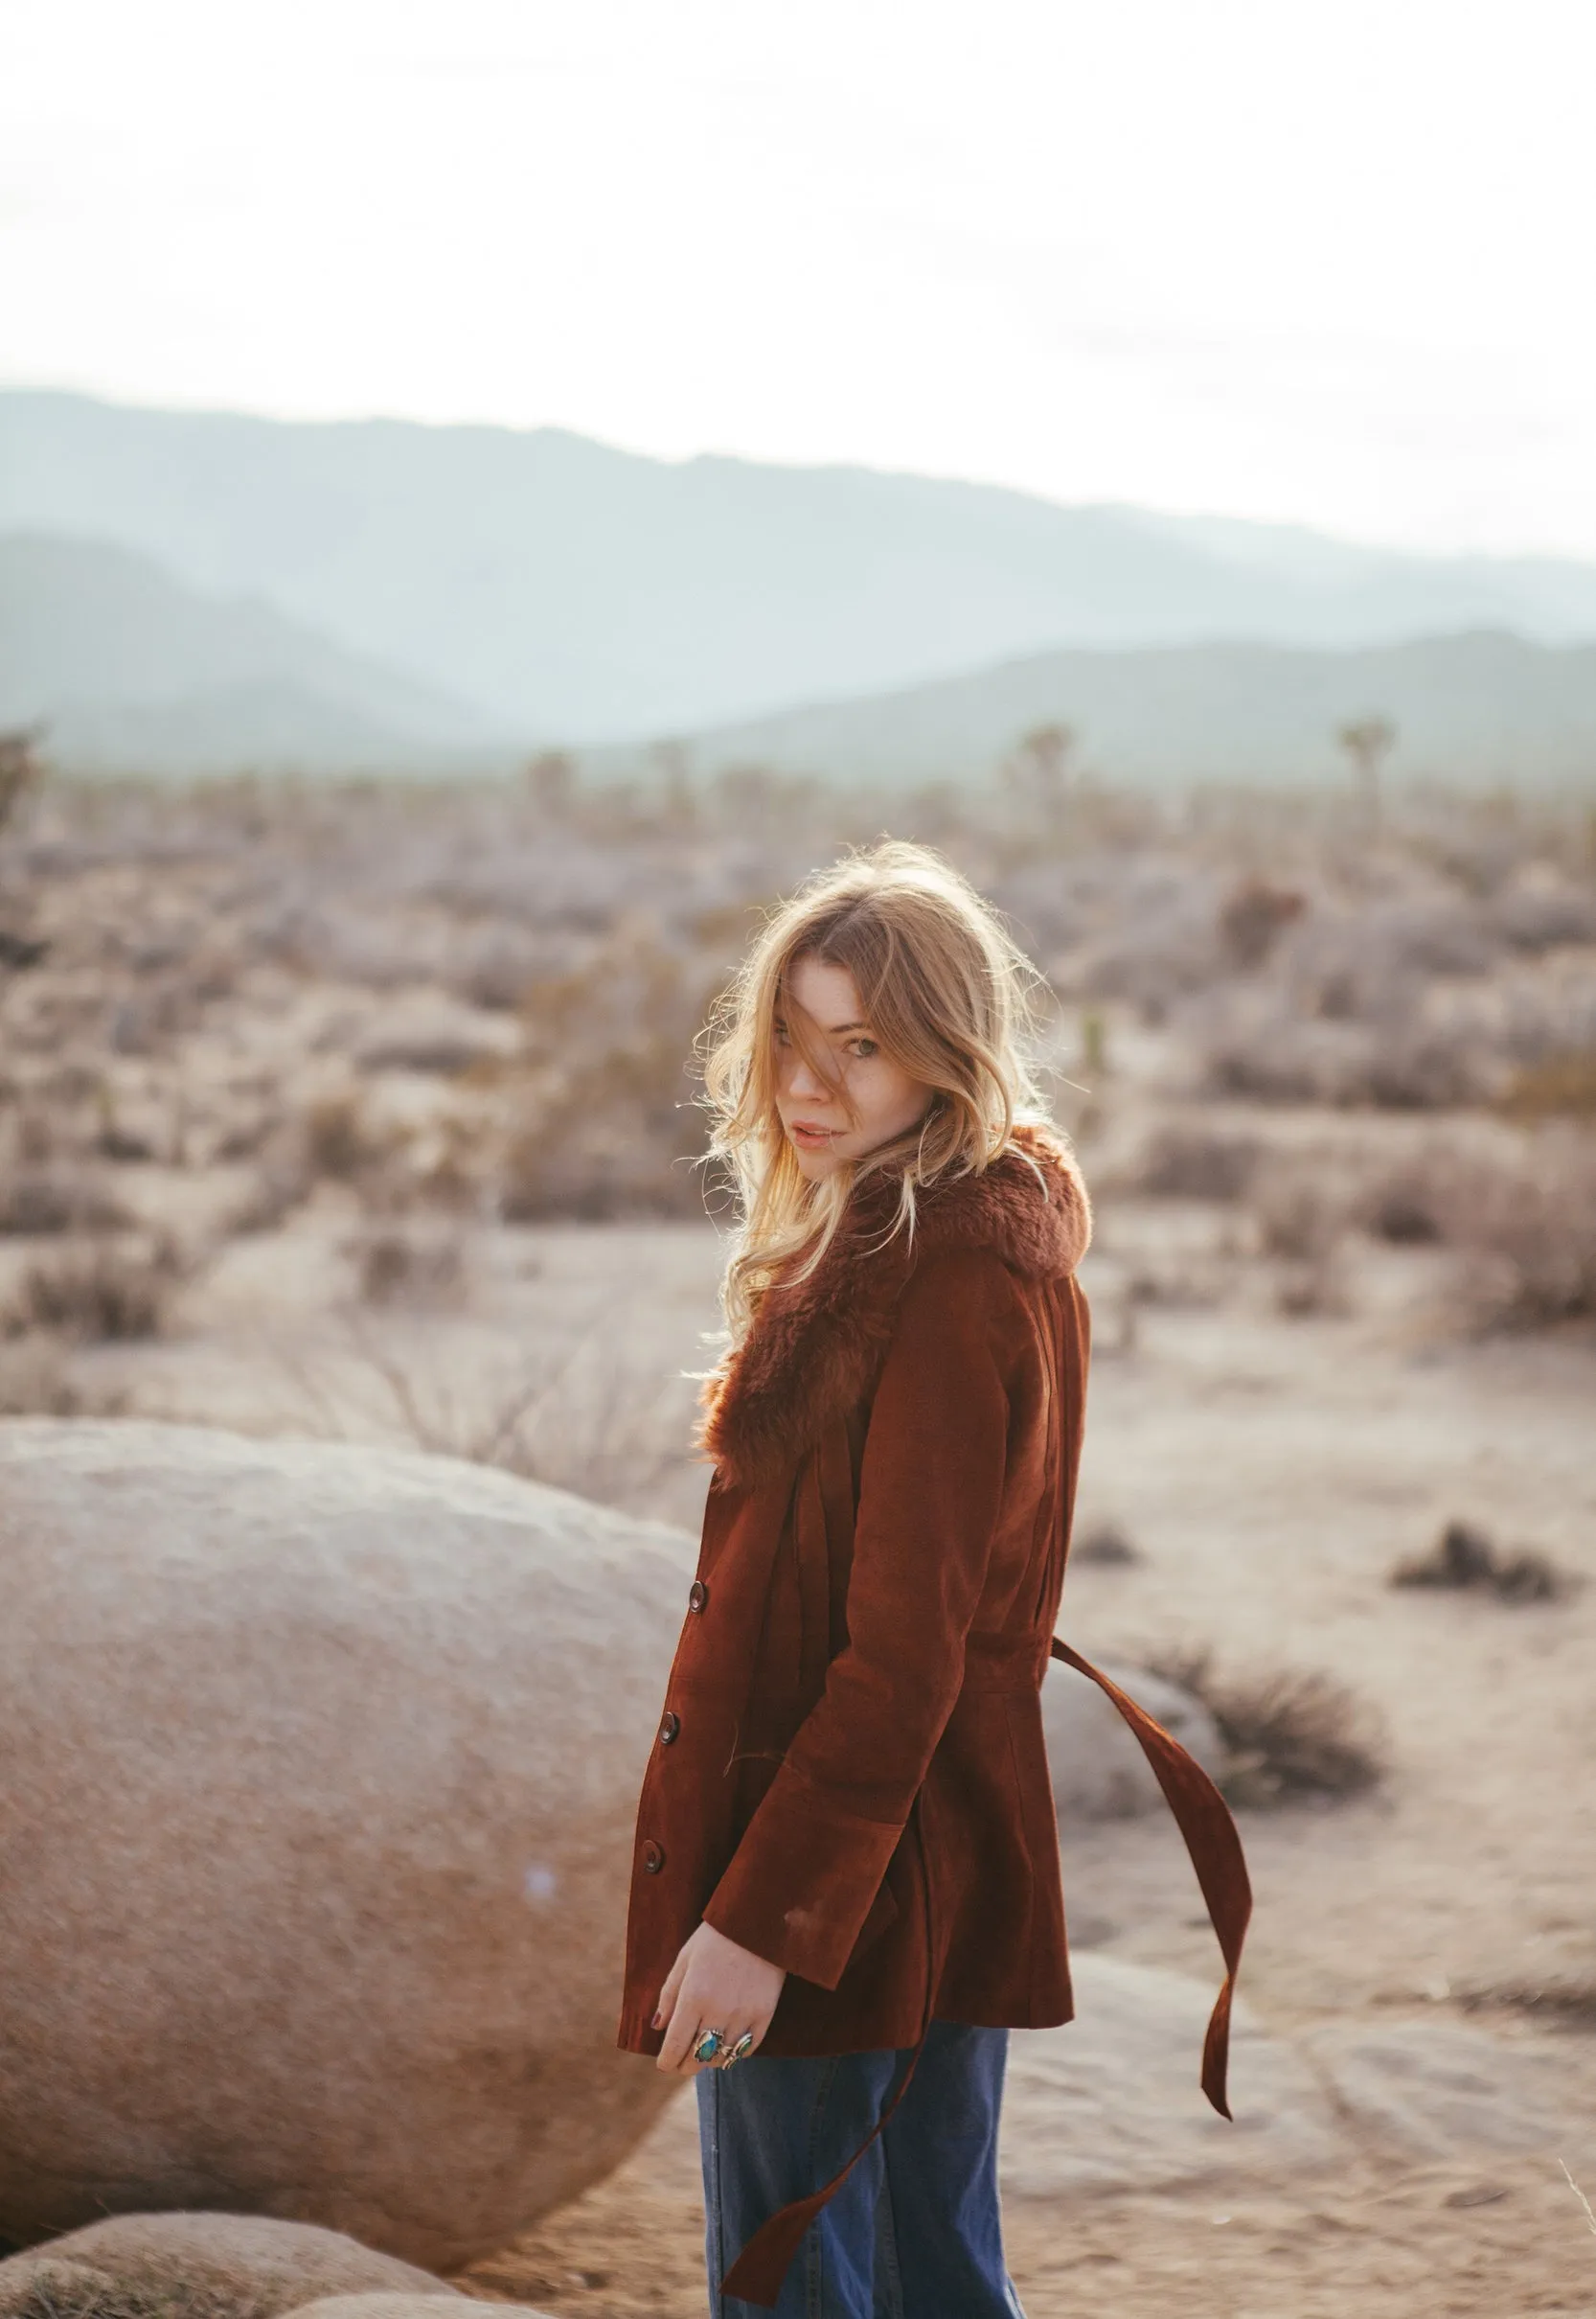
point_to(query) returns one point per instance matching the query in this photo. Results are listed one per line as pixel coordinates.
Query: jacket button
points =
(697, 1595)
(653, 1859)
(669, 1728)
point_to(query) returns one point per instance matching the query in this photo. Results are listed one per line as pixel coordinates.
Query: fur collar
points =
(813, 1351)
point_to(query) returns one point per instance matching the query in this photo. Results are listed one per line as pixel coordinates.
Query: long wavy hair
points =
(950, 998)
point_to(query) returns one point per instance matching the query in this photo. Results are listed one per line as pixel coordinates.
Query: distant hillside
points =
(128, 668)
(570, 591)
(1480, 708)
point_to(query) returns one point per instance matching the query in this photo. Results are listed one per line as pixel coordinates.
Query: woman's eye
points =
(781, 1034)
(864, 1048)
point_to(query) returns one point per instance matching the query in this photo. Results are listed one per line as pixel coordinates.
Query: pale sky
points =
(1324, 260)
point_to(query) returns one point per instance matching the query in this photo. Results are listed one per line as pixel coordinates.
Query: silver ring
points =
(740, 2050)
(709, 2045)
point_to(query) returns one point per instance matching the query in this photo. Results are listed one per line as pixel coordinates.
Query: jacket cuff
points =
(801, 1883)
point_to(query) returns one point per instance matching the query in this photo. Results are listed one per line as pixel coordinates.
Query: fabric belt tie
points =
(1215, 1846)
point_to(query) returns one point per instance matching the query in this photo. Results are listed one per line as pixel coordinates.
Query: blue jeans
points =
(914, 2232)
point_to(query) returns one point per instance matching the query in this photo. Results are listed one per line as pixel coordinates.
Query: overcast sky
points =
(1327, 260)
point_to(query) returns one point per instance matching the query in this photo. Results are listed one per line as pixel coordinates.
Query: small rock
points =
(209, 2266)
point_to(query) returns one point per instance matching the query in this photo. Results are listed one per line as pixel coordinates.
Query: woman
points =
(846, 1886)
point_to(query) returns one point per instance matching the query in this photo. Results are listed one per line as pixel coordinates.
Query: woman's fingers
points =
(681, 2033)
(671, 1991)
(714, 1984)
(692, 2016)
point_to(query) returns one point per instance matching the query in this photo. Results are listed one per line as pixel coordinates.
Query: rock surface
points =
(210, 2266)
(321, 1765)
(1113, 2099)
(1436, 2089)
(1098, 1771)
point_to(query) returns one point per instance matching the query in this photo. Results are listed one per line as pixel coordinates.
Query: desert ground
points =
(361, 1110)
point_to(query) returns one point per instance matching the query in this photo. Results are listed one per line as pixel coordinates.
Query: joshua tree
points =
(21, 770)
(1040, 769)
(1368, 742)
(551, 779)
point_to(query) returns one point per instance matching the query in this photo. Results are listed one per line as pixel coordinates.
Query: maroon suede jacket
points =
(851, 1749)
(850, 1777)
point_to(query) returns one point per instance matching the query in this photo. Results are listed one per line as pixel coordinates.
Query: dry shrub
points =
(405, 1268)
(1560, 2000)
(280, 1185)
(40, 1201)
(1465, 1560)
(1542, 908)
(1560, 1085)
(1198, 1163)
(607, 1144)
(1253, 919)
(1299, 1215)
(1105, 1545)
(1313, 1289)
(101, 1291)
(1292, 1733)
(1403, 1208)
(1300, 1220)
(1527, 1228)
(607, 1125)
(430, 1042)
(579, 1413)
(494, 967)
(336, 1140)
(1425, 1068)
(1275, 1057)
(37, 1382)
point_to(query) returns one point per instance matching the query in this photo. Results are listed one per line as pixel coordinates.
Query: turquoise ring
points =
(744, 2046)
(709, 2045)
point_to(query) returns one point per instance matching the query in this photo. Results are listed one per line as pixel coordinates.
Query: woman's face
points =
(885, 1099)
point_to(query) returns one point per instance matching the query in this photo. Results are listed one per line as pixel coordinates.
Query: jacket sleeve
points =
(813, 1857)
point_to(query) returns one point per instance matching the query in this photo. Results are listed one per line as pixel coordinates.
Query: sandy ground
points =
(1270, 1471)
(1437, 2242)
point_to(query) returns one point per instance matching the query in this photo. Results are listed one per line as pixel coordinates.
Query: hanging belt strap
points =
(1211, 1838)
(1215, 1846)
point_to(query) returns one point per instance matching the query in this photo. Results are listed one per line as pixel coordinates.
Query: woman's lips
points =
(804, 1130)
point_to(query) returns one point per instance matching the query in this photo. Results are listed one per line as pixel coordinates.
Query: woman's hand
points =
(714, 1985)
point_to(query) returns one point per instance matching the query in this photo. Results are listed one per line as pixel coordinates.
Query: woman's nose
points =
(804, 1081)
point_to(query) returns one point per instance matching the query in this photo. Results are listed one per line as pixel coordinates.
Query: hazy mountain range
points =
(132, 668)
(204, 587)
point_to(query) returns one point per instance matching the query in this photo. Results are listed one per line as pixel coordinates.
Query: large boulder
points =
(320, 1769)
(203, 2266)
(1099, 1770)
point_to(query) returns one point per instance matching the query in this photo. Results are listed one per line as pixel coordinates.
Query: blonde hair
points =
(948, 997)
